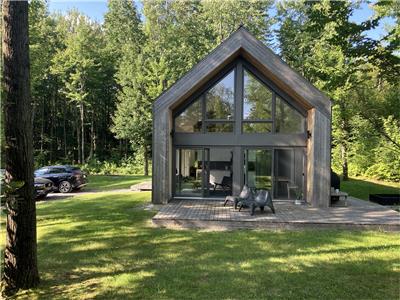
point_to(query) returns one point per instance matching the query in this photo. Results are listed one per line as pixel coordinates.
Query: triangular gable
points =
(242, 42)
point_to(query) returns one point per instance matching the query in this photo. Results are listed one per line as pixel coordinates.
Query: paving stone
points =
(212, 214)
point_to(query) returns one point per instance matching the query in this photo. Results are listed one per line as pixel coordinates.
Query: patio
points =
(212, 215)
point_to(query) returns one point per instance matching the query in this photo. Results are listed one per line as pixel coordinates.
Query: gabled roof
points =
(242, 42)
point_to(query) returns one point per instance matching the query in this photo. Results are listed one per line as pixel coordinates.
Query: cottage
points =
(242, 116)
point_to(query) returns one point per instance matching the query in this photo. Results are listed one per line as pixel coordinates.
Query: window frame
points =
(257, 121)
(238, 66)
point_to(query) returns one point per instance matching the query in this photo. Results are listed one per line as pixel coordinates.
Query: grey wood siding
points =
(319, 159)
(161, 187)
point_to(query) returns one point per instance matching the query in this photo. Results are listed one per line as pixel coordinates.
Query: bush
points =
(126, 166)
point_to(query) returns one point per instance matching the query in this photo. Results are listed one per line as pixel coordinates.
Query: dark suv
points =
(65, 178)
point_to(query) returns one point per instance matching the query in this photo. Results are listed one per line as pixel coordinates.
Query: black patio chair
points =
(226, 183)
(244, 195)
(262, 199)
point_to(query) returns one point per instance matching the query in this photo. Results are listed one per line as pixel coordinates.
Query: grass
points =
(361, 187)
(103, 246)
(113, 182)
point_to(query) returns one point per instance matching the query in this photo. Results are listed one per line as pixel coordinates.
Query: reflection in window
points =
(220, 127)
(190, 119)
(220, 99)
(258, 165)
(287, 119)
(249, 127)
(257, 100)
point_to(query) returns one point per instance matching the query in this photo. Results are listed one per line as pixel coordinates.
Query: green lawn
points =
(361, 187)
(113, 182)
(103, 246)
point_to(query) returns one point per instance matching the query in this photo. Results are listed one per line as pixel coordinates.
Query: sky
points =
(96, 9)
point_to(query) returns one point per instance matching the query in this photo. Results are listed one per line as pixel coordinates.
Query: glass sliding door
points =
(189, 172)
(258, 168)
(219, 171)
(288, 173)
(203, 172)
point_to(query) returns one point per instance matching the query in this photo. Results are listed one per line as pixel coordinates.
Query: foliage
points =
(124, 166)
(93, 84)
(177, 34)
(360, 187)
(70, 66)
(113, 253)
(359, 74)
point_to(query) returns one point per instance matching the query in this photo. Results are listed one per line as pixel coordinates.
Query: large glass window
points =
(257, 99)
(257, 105)
(263, 111)
(190, 119)
(220, 105)
(287, 119)
(220, 99)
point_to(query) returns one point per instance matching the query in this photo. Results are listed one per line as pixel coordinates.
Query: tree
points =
(177, 34)
(354, 70)
(130, 76)
(223, 17)
(79, 66)
(20, 255)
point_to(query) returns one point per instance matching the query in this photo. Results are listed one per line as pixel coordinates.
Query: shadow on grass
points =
(104, 248)
(361, 189)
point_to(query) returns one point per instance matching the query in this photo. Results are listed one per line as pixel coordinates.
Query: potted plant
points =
(299, 197)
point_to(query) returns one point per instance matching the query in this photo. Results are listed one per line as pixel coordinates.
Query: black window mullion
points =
(203, 113)
(238, 98)
(273, 111)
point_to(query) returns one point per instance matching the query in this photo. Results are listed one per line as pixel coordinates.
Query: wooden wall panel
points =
(318, 159)
(161, 185)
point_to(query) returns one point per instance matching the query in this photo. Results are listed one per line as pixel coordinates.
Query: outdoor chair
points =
(291, 186)
(225, 184)
(263, 198)
(244, 195)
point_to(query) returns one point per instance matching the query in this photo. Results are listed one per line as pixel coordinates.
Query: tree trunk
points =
(52, 122)
(345, 136)
(81, 109)
(92, 138)
(65, 132)
(78, 138)
(42, 130)
(20, 254)
(345, 165)
(146, 162)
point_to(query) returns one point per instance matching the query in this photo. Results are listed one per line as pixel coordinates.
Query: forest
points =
(93, 84)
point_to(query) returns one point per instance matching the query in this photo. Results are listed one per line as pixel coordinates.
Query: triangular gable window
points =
(263, 111)
(287, 119)
(190, 119)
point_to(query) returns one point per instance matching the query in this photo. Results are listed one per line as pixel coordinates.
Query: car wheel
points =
(64, 187)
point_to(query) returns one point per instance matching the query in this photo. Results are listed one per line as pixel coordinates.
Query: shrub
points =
(126, 166)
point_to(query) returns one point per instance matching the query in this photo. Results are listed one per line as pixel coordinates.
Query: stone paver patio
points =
(213, 215)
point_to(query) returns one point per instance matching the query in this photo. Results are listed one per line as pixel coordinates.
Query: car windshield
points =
(41, 171)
